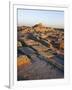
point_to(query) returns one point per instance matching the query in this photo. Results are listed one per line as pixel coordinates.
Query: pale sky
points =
(47, 17)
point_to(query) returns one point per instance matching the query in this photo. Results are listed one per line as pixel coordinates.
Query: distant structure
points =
(41, 28)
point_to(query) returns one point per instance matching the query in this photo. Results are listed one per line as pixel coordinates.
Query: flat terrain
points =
(39, 69)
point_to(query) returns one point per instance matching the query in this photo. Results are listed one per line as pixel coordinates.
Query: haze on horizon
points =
(50, 18)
